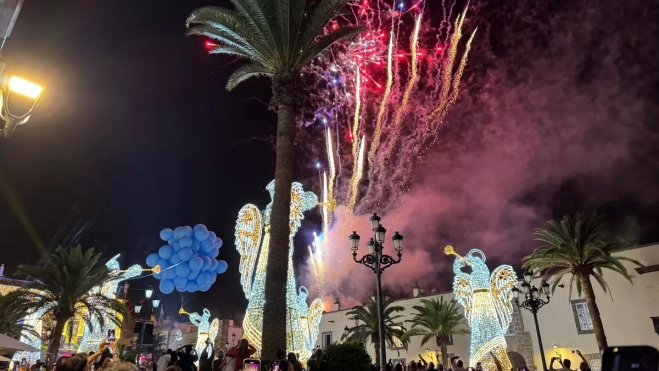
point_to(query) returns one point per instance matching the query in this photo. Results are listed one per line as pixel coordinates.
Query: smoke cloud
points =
(553, 120)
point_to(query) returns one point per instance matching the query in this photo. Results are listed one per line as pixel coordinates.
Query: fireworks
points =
(387, 93)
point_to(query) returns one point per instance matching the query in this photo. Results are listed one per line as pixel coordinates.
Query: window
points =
(327, 338)
(655, 323)
(582, 317)
(398, 344)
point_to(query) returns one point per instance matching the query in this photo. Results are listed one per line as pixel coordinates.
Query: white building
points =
(632, 318)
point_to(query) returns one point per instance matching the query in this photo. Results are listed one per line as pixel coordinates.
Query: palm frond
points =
(245, 72)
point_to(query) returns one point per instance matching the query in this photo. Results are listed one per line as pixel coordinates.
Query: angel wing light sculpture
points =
(94, 335)
(207, 330)
(252, 242)
(488, 303)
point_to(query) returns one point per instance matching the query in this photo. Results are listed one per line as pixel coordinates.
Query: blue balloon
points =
(166, 286)
(207, 263)
(213, 253)
(212, 236)
(195, 245)
(185, 232)
(185, 254)
(206, 245)
(196, 263)
(174, 259)
(152, 259)
(185, 242)
(192, 287)
(165, 252)
(213, 278)
(180, 281)
(172, 240)
(170, 274)
(177, 232)
(200, 232)
(182, 289)
(166, 234)
(218, 243)
(213, 267)
(205, 288)
(203, 278)
(193, 275)
(176, 246)
(182, 270)
(222, 266)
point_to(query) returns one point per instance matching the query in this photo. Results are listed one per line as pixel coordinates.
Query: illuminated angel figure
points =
(207, 331)
(252, 242)
(487, 301)
(95, 334)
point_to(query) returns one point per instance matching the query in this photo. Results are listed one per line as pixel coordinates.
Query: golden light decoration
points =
(487, 300)
(252, 228)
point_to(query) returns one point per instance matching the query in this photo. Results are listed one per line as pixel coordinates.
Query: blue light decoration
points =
(188, 261)
(488, 304)
(252, 242)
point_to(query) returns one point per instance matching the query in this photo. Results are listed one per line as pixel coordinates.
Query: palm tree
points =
(577, 246)
(13, 308)
(367, 315)
(65, 284)
(437, 319)
(277, 38)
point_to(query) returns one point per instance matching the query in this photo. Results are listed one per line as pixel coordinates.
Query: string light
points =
(302, 320)
(488, 306)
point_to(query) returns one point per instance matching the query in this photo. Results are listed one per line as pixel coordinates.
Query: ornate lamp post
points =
(155, 303)
(533, 301)
(378, 262)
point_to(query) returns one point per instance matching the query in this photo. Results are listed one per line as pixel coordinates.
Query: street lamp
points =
(533, 301)
(378, 262)
(233, 339)
(27, 91)
(154, 300)
(148, 292)
(346, 330)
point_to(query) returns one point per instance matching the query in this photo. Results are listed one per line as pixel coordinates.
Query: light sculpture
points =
(206, 330)
(252, 242)
(93, 336)
(488, 304)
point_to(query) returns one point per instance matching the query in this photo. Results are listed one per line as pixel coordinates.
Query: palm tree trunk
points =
(589, 295)
(377, 353)
(444, 350)
(56, 338)
(274, 308)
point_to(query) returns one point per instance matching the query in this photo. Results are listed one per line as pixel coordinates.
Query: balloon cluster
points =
(188, 262)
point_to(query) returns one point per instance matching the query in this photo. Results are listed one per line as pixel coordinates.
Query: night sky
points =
(136, 133)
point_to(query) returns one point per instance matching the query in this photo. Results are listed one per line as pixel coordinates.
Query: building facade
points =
(630, 315)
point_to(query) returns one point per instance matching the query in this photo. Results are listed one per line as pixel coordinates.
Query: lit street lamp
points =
(155, 303)
(378, 262)
(533, 302)
(25, 91)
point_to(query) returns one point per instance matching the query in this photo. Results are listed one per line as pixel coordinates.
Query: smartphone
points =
(276, 366)
(111, 337)
(631, 358)
(251, 364)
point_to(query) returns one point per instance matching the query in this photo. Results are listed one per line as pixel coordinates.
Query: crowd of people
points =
(106, 358)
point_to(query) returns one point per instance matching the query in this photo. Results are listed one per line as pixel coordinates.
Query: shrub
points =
(348, 356)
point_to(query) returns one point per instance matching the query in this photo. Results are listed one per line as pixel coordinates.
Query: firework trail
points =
(388, 93)
(354, 134)
(409, 89)
(358, 175)
(383, 105)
